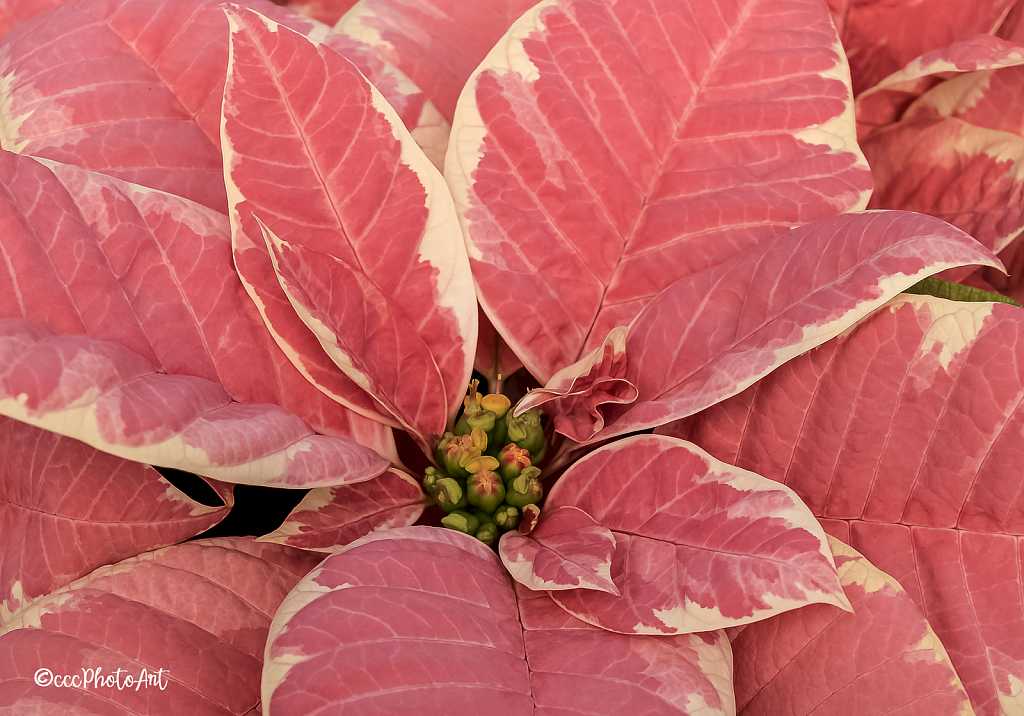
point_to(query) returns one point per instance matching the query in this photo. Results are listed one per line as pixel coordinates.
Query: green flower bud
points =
(512, 460)
(450, 495)
(487, 533)
(456, 451)
(506, 517)
(525, 489)
(482, 419)
(461, 521)
(527, 432)
(499, 405)
(430, 477)
(485, 490)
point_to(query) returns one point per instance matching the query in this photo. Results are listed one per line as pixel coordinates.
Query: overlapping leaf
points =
(387, 293)
(611, 137)
(924, 463)
(699, 545)
(331, 516)
(885, 102)
(132, 88)
(195, 616)
(790, 664)
(881, 36)
(434, 626)
(13, 12)
(713, 333)
(104, 395)
(66, 509)
(437, 43)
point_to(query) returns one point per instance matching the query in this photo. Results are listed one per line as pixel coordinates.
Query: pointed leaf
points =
(437, 43)
(923, 461)
(882, 36)
(330, 516)
(143, 101)
(199, 612)
(435, 627)
(568, 550)
(700, 545)
(331, 136)
(886, 101)
(970, 176)
(91, 254)
(661, 177)
(110, 398)
(900, 665)
(70, 509)
(772, 303)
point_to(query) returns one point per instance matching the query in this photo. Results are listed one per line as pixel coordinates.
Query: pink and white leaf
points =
(567, 550)
(881, 37)
(782, 297)
(885, 102)
(425, 123)
(216, 597)
(970, 176)
(431, 615)
(608, 135)
(406, 258)
(71, 509)
(87, 253)
(920, 466)
(142, 100)
(331, 516)
(700, 545)
(326, 11)
(110, 398)
(900, 665)
(577, 397)
(437, 43)
(578, 667)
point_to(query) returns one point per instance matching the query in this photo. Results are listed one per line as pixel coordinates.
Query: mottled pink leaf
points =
(419, 115)
(578, 397)
(910, 427)
(968, 175)
(881, 36)
(89, 254)
(882, 658)
(330, 516)
(612, 137)
(69, 509)
(686, 351)
(130, 88)
(568, 550)
(199, 611)
(886, 101)
(388, 293)
(700, 545)
(421, 620)
(104, 395)
(437, 43)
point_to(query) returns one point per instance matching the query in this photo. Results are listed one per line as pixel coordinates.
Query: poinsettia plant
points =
(245, 244)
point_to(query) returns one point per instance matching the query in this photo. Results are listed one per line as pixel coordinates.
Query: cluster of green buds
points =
(488, 472)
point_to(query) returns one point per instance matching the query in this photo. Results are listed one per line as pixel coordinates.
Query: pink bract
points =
(243, 243)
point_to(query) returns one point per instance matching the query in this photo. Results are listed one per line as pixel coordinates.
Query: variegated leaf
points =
(424, 620)
(409, 339)
(920, 465)
(700, 545)
(66, 509)
(609, 135)
(331, 516)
